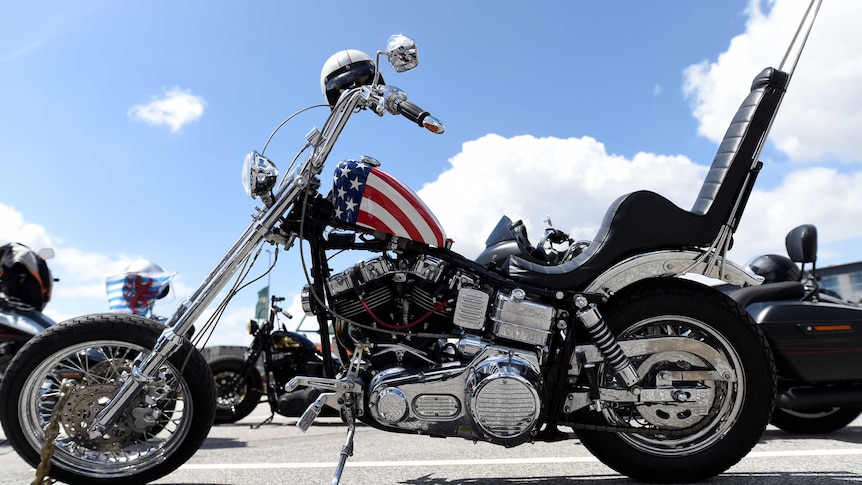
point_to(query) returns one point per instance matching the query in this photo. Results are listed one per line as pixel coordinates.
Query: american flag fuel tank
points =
(369, 197)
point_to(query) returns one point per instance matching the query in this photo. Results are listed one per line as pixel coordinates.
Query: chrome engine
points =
(488, 387)
(494, 397)
(404, 291)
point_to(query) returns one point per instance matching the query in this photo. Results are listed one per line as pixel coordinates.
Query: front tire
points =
(236, 395)
(4, 364)
(158, 432)
(814, 421)
(683, 442)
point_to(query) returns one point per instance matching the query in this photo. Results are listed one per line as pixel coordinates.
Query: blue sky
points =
(123, 124)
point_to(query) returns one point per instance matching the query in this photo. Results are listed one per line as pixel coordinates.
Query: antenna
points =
(797, 44)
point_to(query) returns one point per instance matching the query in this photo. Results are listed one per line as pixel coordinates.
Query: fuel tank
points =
(817, 342)
(370, 198)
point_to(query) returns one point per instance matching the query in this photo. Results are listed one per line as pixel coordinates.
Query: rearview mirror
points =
(402, 53)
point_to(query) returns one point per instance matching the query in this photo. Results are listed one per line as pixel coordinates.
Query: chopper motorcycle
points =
(25, 290)
(814, 335)
(663, 379)
(284, 354)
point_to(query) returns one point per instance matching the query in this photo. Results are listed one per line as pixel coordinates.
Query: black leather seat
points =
(781, 291)
(645, 221)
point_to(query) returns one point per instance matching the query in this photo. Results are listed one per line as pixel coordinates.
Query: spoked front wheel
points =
(684, 440)
(162, 427)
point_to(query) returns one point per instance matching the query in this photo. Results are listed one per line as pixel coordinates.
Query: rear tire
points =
(707, 441)
(236, 395)
(158, 432)
(815, 421)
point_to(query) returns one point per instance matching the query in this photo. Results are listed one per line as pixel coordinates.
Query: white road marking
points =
(485, 462)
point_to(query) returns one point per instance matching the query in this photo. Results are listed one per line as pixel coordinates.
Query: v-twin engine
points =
(494, 397)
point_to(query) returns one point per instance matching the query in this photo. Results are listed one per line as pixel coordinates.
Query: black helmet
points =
(345, 70)
(25, 276)
(775, 268)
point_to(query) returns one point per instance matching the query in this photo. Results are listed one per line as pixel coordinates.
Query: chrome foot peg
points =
(311, 414)
(342, 393)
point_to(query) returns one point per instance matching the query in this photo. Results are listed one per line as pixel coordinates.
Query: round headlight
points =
(252, 327)
(259, 175)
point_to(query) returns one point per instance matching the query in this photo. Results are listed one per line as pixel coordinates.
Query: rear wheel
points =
(688, 441)
(159, 430)
(236, 394)
(813, 421)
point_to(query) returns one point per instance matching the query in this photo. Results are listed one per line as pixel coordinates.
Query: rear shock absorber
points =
(607, 344)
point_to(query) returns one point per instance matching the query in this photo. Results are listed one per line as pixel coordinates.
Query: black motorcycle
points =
(816, 337)
(25, 289)
(284, 355)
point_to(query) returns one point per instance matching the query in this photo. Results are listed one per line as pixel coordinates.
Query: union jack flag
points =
(369, 197)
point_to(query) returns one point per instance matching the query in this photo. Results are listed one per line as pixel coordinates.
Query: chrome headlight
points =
(259, 175)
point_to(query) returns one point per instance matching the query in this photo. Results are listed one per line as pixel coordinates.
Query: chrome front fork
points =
(144, 368)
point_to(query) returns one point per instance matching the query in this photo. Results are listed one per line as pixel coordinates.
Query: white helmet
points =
(345, 70)
(150, 269)
(143, 266)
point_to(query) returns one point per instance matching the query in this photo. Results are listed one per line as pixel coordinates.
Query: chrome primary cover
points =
(504, 401)
(495, 397)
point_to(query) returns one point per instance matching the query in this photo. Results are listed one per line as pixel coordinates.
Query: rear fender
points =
(669, 263)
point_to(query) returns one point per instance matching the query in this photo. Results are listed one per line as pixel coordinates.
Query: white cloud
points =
(574, 181)
(829, 199)
(232, 327)
(82, 273)
(14, 229)
(176, 108)
(821, 110)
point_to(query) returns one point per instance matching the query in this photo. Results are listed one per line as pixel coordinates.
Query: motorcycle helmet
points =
(25, 276)
(775, 268)
(345, 70)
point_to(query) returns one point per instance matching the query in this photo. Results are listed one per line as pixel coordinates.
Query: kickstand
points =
(265, 421)
(347, 449)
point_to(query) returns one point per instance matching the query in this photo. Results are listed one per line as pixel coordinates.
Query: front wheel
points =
(236, 394)
(814, 421)
(162, 427)
(687, 441)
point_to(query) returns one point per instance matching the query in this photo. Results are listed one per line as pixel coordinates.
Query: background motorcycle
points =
(285, 354)
(816, 337)
(25, 289)
(662, 378)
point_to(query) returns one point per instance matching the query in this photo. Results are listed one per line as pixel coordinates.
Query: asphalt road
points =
(280, 453)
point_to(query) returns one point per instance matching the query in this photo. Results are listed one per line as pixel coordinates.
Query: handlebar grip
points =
(412, 112)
